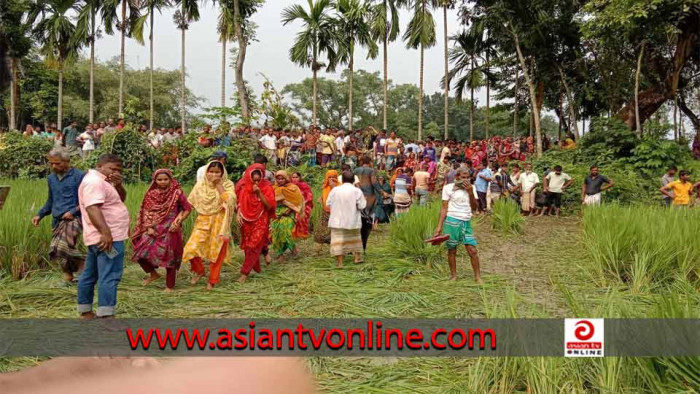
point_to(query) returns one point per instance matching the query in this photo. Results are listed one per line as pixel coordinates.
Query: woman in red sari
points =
(256, 207)
(157, 237)
(301, 229)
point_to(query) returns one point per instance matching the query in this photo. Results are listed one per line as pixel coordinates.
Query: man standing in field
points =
(528, 182)
(682, 190)
(483, 179)
(62, 204)
(458, 202)
(346, 203)
(106, 227)
(668, 177)
(593, 186)
(555, 183)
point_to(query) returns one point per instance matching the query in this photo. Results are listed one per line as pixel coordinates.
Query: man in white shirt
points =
(219, 156)
(169, 136)
(340, 145)
(346, 203)
(269, 143)
(555, 183)
(528, 182)
(155, 138)
(458, 202)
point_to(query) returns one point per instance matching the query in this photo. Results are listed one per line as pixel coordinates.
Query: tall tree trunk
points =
(583, 127)
(14, 84)
(447, 80)
(572, 109)
(694, 119)
(59, 121)
(533, 95)
(150, 97)
(561, 115)
(675, 119)
(515, 105)
(314, 86)
(420, 97)
(92, 66)
(242, 46)
(183, 96)
(386, 82)
(352, 71)
(223, 72)
(488, 91)
(636, 90)
(471, 104)
(121, 60)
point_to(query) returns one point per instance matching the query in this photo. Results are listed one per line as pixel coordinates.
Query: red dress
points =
(301, 229)
(255, 230)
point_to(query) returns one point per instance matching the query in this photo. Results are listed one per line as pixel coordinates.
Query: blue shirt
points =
(430, 152)
(63, 196)
(414, 148)
(481, 184)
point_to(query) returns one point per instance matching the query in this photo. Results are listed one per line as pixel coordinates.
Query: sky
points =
(270, 55)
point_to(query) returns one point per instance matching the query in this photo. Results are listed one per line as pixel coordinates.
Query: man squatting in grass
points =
(458, 202)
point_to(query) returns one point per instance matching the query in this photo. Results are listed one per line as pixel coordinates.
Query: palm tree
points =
(124, 25)
(317, 37)
(464, 55)
(188, 12)
(16, 37)
(445, 4)
(420, 33)
(385, 28)
(87, 31)
(150, 7)
(227, 33)
(353, 24)
(55, 32)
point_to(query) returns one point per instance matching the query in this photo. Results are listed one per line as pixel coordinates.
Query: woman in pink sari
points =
(157, 237)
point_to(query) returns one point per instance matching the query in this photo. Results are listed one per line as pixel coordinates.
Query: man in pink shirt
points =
(105, 228)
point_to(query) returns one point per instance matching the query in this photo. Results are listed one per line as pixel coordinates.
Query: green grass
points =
(506, 217)
(557, 268)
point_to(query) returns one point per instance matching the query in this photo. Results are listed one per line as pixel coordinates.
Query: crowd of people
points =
(379, 176)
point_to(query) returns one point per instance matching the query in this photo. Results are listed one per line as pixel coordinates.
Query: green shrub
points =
(22, 157)
(642, 246)
(410, 231)
(506, 217)
(139, 159)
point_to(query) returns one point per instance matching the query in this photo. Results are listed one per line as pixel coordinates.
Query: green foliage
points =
(642, 246)
(506, 217)
(410, 231)
(138, 158)
(23, 157)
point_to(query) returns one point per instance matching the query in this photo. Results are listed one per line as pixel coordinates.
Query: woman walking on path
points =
(301, 229)
(290, 202)
(214, 198)
(322, 233)
(385, 205)
(256, 208)
(157, 237)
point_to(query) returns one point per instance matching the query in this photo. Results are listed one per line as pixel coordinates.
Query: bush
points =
(22, 157)
(410, 231)
(506, 217)
(641, 245)
(139, 159)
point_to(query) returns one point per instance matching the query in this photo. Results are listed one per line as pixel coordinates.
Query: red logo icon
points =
(584, 330)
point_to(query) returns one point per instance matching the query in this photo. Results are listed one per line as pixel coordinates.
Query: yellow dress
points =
(204, 242)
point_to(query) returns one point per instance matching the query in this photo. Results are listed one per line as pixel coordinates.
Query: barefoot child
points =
(157, 237)
(458, 202)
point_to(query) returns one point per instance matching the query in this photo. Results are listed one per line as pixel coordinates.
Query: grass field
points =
(597, 266)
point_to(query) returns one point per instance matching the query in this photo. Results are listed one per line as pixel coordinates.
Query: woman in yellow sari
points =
(214, 199)
(322, 234)
(290, 202)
